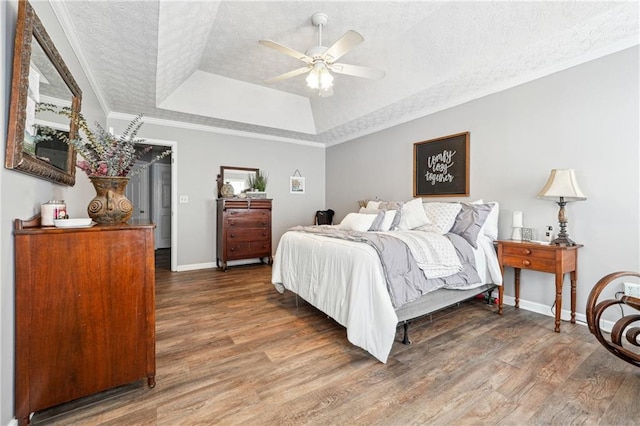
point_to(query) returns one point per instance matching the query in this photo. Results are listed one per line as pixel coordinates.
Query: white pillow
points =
(357, 222)
(413, 215)
(389, 215)
(441, 215)
(367, 210)
(490, 226)
(373, 204)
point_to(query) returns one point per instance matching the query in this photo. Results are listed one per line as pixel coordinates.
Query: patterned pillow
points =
(441, 215)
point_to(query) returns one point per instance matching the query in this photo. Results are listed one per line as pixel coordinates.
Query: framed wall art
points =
(441, 166)
(296, 184)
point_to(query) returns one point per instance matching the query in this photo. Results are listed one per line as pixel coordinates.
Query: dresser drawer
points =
(247, 219)
(248, 234)
(245, 249)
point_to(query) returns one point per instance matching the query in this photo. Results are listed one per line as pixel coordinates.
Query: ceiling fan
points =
(320, 60)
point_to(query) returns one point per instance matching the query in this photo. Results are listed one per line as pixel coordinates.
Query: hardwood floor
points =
(231, 350)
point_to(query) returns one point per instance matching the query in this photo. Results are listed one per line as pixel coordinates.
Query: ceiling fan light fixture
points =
(319, 77)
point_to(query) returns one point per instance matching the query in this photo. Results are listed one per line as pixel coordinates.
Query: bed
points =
(338, 270)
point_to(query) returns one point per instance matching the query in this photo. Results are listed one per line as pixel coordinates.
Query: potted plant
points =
(108, 161)
(258, 185)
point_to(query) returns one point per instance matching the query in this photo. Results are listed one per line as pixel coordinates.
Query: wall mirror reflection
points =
(40, 77)
(238, 177)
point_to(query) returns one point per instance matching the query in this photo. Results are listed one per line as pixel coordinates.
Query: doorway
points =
(153, 193)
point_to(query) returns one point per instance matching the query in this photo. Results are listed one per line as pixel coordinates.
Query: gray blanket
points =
(405, 280)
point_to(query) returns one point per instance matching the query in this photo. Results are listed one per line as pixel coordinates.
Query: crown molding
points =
(213, 129)
(61, 12)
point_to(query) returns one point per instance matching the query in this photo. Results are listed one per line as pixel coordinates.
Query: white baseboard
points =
(565, 315)
(196, 266)
(210, 265)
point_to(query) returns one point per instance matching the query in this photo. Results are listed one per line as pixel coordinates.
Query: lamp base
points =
(563, 241)
(516, 234)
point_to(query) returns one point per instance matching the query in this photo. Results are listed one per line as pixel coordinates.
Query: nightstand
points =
(554, 259)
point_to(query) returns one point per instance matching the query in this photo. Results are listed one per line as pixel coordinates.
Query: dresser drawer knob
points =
(526, 263)
(232, 235)
(526, 251)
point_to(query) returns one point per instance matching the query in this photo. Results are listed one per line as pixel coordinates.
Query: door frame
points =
(174, 196)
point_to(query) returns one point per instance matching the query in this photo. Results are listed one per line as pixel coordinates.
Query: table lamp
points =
(562, 187)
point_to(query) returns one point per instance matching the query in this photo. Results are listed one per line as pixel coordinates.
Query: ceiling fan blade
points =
(287, 75)
(349, 40)
(357, 71)
(286, 50)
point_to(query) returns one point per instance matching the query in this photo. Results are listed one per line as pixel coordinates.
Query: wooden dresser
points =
(85, 311)
(243, 230)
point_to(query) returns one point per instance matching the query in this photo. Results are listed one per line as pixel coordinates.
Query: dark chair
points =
(324, 217)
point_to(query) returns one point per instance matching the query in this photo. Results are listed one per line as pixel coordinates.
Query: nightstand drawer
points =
(538, 253)
(529, 262)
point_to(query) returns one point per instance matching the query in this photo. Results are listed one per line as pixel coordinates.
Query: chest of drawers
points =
(243, 230)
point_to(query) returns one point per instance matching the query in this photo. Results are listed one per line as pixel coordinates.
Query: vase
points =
(110, 206)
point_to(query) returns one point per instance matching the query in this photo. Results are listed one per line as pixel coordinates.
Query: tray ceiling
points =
(200, 64)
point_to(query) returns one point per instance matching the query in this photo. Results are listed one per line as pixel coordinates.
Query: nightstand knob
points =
(526, 263)
(526, 251)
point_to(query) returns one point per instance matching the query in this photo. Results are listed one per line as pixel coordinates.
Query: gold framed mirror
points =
(40, 76)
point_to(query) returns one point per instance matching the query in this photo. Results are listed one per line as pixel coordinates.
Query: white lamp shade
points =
(562, 183)
(319, 77)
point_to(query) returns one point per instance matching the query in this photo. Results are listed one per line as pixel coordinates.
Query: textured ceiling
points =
(142, 54)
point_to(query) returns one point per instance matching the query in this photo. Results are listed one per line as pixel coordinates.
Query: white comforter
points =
(344, 279)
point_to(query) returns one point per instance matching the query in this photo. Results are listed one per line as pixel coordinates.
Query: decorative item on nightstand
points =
(562, 187)
(517, 224)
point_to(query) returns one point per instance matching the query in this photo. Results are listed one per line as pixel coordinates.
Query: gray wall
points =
(585, 118)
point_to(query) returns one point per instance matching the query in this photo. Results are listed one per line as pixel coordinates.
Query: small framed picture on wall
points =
(296, 185)
(441, 166)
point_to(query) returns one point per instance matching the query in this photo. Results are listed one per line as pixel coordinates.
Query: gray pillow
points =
(377, 222)
(396, 220)
(469, 222)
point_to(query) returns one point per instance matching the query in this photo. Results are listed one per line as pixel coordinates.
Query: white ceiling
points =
(199, 62)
